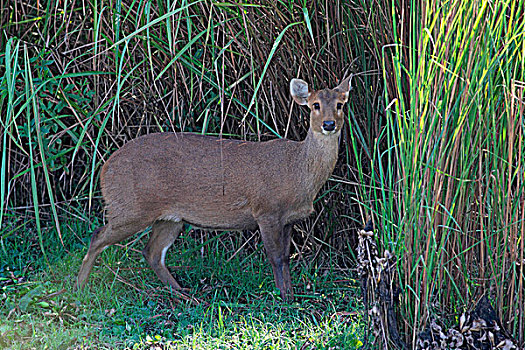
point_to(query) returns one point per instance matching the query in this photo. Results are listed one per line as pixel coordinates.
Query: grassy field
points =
(432, 151)
(231, 301)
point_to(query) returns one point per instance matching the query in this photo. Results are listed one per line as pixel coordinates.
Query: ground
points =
(230, 303)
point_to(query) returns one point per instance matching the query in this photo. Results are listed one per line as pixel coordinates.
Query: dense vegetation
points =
(432, 150)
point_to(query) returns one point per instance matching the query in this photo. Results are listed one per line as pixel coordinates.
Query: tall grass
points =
(455, 160)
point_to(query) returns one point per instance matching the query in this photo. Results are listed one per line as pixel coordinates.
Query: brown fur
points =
(167, 179)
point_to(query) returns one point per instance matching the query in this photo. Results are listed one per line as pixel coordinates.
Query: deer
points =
(166, 180)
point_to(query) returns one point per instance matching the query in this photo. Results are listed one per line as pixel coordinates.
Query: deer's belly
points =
(214, 219)
(299, 213)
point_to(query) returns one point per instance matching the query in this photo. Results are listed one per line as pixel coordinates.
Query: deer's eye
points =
(316, 106)
(339, 106)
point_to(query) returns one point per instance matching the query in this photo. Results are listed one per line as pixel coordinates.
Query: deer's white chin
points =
(325, 132)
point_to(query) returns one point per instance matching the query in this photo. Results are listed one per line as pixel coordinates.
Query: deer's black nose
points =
(329, 125)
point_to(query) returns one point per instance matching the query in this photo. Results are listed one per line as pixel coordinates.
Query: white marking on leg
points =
(163, 255)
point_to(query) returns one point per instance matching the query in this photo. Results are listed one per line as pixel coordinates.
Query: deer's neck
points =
(320, 156)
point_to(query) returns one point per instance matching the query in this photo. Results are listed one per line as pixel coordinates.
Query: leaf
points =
(43, 304)
(26, 300)
(308, 23)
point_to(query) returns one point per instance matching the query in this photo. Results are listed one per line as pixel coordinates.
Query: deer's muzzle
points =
(329, 125)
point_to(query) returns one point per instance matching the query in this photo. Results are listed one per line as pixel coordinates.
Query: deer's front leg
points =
(276, 238)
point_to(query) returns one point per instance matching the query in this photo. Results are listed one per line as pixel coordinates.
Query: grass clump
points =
(453, 212)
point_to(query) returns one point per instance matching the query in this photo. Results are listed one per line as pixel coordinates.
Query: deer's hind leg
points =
(163, 234)
(102, 238)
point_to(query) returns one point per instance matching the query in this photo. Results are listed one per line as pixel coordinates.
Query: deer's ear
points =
(345, 86)
(300, 91)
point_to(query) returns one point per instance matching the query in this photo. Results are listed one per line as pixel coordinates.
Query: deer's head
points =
(326, 106)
